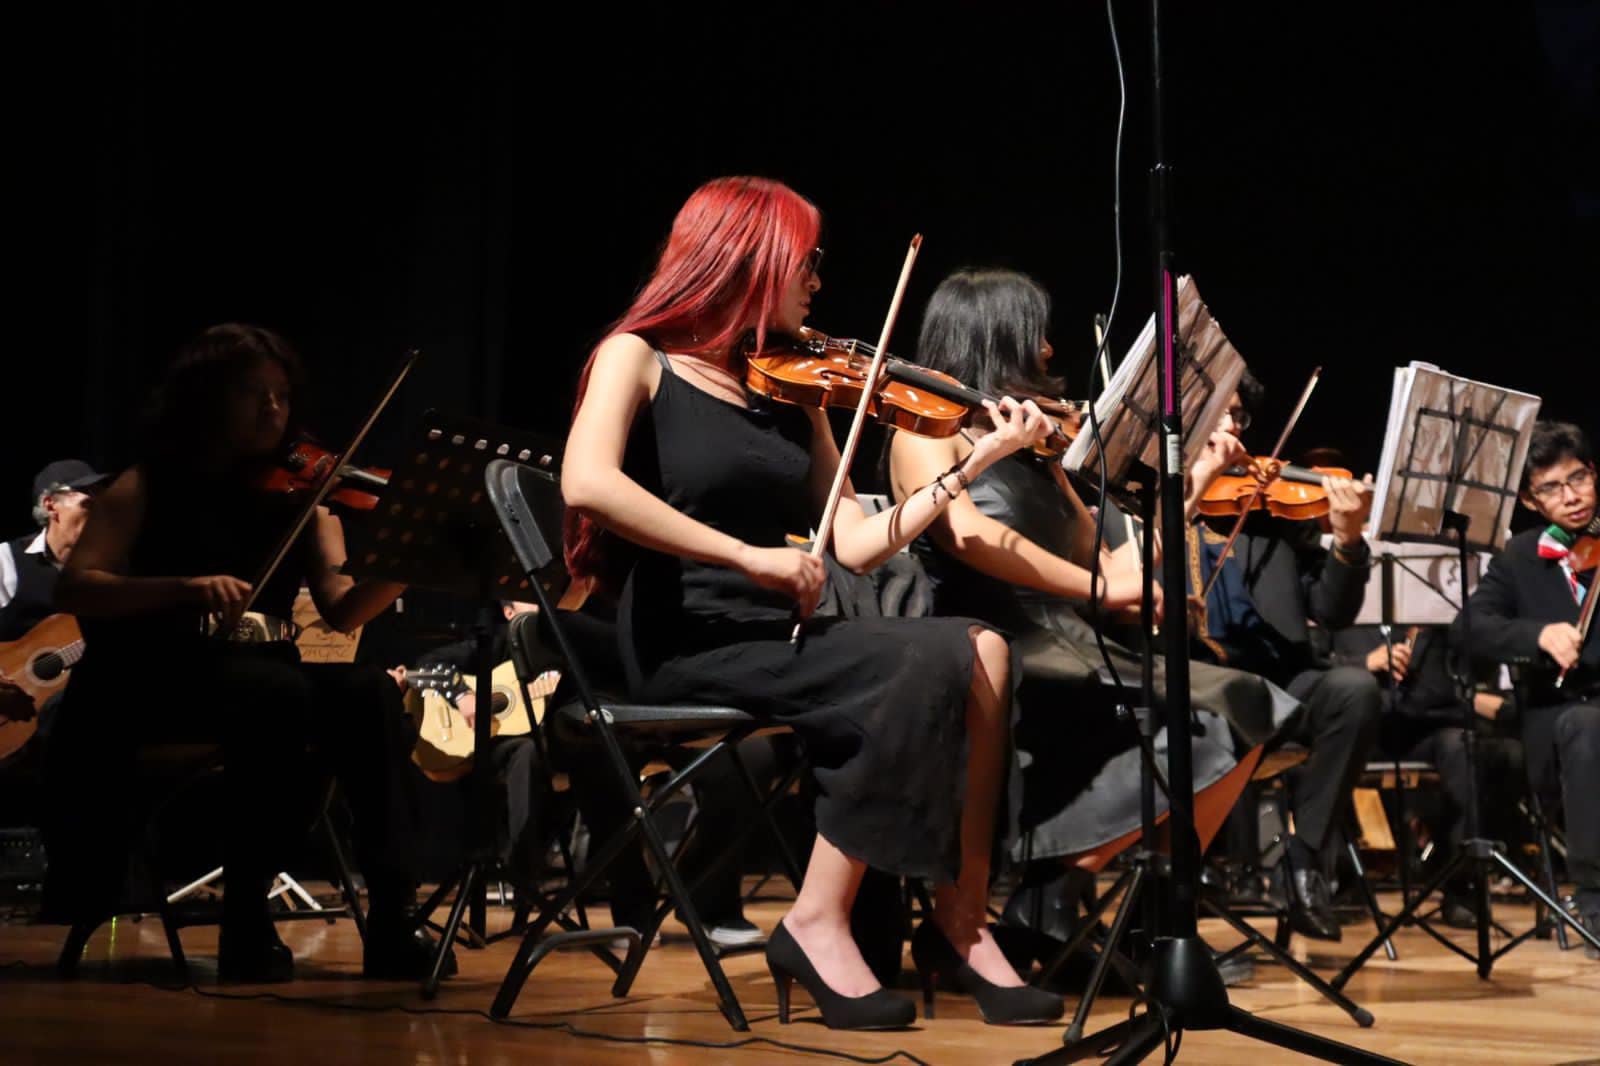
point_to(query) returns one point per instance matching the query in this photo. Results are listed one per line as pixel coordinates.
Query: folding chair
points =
(519, 493)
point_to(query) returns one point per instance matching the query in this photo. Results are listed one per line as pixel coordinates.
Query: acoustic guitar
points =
(39, 663)
(445, 741)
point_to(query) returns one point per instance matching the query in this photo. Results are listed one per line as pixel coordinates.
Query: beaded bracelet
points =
(961, 479)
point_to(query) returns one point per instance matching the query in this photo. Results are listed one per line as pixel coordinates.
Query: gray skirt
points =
(1079, 765)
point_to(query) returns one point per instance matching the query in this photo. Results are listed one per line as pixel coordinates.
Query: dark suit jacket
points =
(1291, 579)
(1518, 596)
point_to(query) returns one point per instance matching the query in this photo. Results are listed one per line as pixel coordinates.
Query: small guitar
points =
(445, 741)
(39, 664)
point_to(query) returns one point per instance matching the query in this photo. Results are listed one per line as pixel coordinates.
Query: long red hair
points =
(734, 248)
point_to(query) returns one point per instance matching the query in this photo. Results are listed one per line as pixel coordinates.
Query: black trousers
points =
(1562, 746)
(1445, 746)
(1338, 725)
(282, 726)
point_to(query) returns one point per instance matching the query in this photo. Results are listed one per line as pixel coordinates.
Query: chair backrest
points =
(521, 496)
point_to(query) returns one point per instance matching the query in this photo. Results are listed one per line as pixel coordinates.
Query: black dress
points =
(879, 703)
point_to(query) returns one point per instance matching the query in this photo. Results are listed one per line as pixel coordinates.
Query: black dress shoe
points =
(1589, 916)
(1458, 911)
(1311, 906)
(787, 962)
(936, 957)
(254, 957)
(401, 953)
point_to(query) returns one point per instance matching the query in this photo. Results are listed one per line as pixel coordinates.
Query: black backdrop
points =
(1357, 187)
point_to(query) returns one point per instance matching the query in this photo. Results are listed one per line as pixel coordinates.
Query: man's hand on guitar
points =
(1562, 642)
(15, 703)
(467, 704)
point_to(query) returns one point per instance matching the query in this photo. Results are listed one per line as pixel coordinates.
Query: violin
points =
(1585, 556)
(304, 465)
(1287, 491)
(813, 369)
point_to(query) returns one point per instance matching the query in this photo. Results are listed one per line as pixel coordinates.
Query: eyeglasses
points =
(1240, 417)
(1578, 481)
(813, 261)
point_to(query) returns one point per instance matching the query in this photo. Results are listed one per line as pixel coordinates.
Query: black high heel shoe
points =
(936, 957)
(787, 962)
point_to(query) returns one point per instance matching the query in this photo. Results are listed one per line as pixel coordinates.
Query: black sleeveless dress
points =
(878, 703)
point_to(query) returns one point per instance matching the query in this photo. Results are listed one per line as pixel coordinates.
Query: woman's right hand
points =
(218, 594)
(795, 573)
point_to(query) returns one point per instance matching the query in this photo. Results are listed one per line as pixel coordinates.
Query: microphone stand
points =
(1184, 990)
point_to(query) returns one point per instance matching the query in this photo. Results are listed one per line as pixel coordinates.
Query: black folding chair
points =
(519, 494)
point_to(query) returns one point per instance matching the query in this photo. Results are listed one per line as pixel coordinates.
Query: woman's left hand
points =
(1017, 425)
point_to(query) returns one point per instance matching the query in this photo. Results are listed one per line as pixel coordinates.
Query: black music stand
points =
(434, 528)
(1451, 471)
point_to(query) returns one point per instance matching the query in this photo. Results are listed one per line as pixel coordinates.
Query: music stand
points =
(435, 528)
(1451, 470)
(1128, 409)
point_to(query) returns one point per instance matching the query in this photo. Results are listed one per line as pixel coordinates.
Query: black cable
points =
(561, 1026)
(1099, 354)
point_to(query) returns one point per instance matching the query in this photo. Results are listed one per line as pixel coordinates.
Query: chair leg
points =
(1367, 894)
(72, 949)
(341, 869)
(169, 926)
(1547, 868)
(691, 918)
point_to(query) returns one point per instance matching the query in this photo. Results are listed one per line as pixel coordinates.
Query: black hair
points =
(1251, 392)
(1551, 443)
(986, 328)
(185, 416)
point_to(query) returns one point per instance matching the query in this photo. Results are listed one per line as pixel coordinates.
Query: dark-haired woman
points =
(175, 539)
(1013, 551)
(695, 487)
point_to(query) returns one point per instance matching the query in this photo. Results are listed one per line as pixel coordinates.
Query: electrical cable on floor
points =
(899, 1054)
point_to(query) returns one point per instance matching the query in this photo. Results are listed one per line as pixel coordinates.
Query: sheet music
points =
(1429, 464)
(1209, 369)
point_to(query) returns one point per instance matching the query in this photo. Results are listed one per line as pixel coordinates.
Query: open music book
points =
(1208, 368)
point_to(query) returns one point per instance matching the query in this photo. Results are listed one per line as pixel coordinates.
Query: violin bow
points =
(1261, 485)
(853, 438)
(310, 506)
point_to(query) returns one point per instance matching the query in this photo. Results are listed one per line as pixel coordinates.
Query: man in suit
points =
(1256, 618)
(1525, 611)
(1422, 720)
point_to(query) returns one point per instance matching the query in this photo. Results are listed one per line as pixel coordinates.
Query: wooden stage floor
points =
(1541, 1006)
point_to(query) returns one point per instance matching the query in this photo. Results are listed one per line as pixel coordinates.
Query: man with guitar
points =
(29, 567)
(445, 754)
(1528, 609)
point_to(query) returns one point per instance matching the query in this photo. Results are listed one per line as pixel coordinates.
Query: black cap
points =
(73, 473)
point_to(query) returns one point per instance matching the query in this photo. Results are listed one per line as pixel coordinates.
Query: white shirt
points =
(8, 567)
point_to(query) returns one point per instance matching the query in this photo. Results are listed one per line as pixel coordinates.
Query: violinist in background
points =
(1256, 617)
(1524, 611)
(1014, 551)
(677, 481)
(173, 540)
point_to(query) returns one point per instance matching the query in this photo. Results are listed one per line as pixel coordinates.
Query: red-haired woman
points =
(904, 720)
